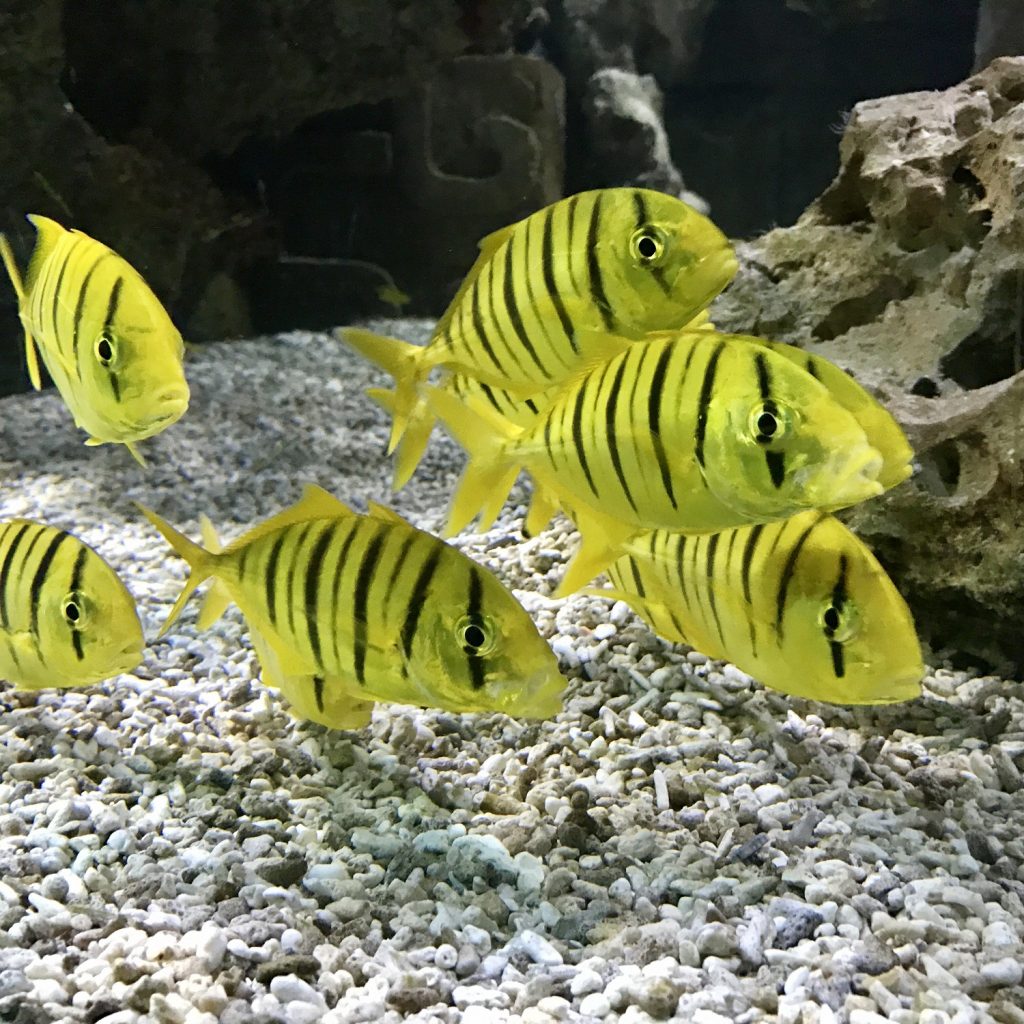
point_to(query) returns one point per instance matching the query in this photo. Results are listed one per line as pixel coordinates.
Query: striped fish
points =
(802, 605)
(522, 412)
(693, 431)
(621, 260)
(108, 344)
(66, 619)
(363, 608)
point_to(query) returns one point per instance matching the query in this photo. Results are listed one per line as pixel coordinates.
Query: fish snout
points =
(854, 480)
(171, 402)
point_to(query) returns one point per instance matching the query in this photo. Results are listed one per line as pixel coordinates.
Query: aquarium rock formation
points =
(909, 272)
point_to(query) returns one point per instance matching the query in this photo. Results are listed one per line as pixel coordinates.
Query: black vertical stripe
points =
(597, 291)
(115, 386)
(339, 569)
(478, 325)
(112, 303)
(6, 574)
(776, 462)
(364, 578)
(318, 692)
(79, 308)
(548, 269)
(764, 380)
(640, 205)
(577, 437)
(293, 568)
(787, 575)
(706, 390)
(55, 302)
(403, 554)
(680, 542)
(270, 577)
(570, 243)
(418, 598)
(512, 308)
(710, 569)
(36, 587)
(812, 367)
(838, 658)
(654, 419)
(514, 353)
(611, 407)
(314, 567)
(638, 583)
(474, 607)
(73, 588)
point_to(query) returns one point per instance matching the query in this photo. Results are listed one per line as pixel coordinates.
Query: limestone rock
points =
(909, 271)
(628, 144)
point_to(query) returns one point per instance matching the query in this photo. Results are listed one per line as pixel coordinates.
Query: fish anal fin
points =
(543, 505)
(601, 542)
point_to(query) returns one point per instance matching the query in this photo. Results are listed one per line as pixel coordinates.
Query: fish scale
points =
(66, 619)
(357, 608)
(801, 604)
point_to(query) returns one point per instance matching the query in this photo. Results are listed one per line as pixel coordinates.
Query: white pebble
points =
(595, 1005)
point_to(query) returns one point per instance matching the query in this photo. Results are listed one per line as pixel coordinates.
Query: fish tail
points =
(403, 360)
(217, 598)
(201, 562)
(413, 444)
(492, 469)
(31, 358)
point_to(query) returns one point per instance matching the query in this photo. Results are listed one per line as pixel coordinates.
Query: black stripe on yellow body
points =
(338, 580)
(706, 391)
(74, 587)
(360, 599)
(654, 418)
(14, 533)
(597, 291)
(512, 307)
(39, 578)
(314, 572)
(417, 599)
(831, 625)
(776, 461)
(547, 268)
(76, 324)
(786, 576)
(611, 409)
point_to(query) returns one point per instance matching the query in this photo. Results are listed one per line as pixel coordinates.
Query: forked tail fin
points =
(492, 468)
(414, 440)
(403, 360)
(200, 562)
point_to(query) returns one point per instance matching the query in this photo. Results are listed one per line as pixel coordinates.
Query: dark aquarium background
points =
(276, 164)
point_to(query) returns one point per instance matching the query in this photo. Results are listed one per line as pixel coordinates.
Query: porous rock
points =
(908, 272)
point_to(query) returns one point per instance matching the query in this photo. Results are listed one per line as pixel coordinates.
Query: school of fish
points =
(700, 469)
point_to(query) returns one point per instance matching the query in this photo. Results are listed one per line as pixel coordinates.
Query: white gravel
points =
(678, 845)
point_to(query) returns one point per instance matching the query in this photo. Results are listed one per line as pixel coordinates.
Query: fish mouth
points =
(853, 481)
(714, 271)
(541, 698)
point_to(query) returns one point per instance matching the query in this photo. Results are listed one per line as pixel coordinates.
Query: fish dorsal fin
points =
(597, 347)
(385, 514)
(48, 234)
(489, 245)
(315, 503)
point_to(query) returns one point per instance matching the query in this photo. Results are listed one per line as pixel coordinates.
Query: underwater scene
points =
(512, 511)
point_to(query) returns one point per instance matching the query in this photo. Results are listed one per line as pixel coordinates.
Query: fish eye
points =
(647, 245)
(837, 621)
(476, 635)
(767, 423)
(73, 609)
(105, 350)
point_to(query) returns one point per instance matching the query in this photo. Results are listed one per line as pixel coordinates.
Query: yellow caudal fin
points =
(31, 358)
(413, 444)
(492, 469)
(601, 542)
(201, 563)
(403, 360)
(217, 598)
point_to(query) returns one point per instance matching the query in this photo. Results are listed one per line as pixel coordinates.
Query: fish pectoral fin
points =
(93, 442)
(601, 541)
(136, 454)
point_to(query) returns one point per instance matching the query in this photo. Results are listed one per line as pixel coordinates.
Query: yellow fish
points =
(110, 347)
(364, 608)
(519, 411)
(802, 605)
(621, 260)
(694, 431)
(66, 619)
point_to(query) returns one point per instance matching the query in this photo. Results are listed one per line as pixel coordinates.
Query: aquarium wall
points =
(276, 165)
